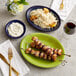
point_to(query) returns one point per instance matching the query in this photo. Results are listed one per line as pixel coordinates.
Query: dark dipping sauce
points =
(69, 28)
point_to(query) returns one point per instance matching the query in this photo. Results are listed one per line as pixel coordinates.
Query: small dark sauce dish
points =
(38, 27)
(15, 21)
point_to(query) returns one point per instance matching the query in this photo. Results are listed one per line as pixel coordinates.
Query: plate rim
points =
(39, 28)
(36, 64)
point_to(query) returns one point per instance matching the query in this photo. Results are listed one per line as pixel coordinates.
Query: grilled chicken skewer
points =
(37, 44)
(49, 51)
(41, 54)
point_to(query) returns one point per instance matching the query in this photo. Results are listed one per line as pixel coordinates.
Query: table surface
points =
(68, 41)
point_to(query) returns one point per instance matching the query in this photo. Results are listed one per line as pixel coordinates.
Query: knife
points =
(4, 59)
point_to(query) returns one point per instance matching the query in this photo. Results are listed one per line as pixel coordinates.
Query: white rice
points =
(43, 20)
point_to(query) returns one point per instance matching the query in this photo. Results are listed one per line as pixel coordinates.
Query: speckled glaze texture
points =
(68, 41)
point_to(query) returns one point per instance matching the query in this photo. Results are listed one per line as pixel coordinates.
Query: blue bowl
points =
(10, 22)
(38, 27)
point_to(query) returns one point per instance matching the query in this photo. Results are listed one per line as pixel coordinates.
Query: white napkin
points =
(68, 6)
(17, 62)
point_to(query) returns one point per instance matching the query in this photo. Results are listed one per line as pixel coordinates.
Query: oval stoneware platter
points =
(47, 40)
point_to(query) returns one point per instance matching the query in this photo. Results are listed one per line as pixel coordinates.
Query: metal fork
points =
(61, 5)
(10, 56)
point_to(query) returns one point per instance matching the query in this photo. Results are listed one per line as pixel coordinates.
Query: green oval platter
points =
(47, 40)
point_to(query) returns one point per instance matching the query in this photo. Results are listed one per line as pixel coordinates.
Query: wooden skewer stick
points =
(67, 55)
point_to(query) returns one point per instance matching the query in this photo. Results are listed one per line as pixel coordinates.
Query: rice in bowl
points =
(43, 18)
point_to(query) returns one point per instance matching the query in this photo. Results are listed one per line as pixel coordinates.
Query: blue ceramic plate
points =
(37, 27)
(10, 22)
